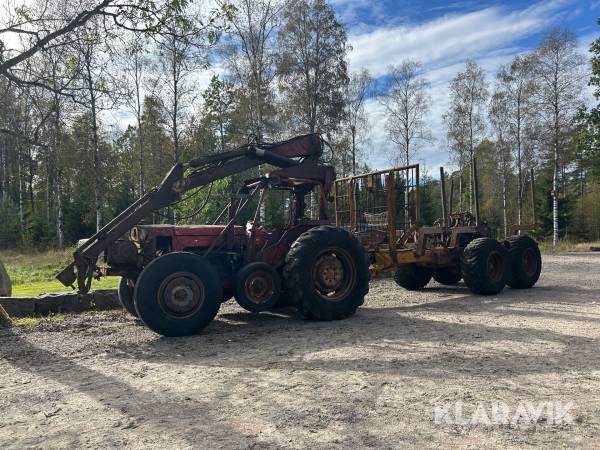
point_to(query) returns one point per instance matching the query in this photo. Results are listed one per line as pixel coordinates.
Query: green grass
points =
(567, 246)
(32, 273)
(30, 322)
(47, 287)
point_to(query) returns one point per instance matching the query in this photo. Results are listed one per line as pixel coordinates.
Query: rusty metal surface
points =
(384, 201)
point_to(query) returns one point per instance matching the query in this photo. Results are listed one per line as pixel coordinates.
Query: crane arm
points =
(307, 148)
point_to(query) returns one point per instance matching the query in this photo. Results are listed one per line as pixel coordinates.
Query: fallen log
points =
(5, 321)
(5, 283)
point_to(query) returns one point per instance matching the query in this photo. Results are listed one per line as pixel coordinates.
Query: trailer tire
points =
(125, 294)
(525, 262)
(484, 266)
(447, 275)
(412, 277)
(257, 287)
(178, 294)
(326, 273)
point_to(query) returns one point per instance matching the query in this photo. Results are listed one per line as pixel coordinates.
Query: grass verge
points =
(32, 273)
(567, 246)
(30, 322)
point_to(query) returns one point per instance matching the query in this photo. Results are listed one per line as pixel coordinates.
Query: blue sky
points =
(443, 35)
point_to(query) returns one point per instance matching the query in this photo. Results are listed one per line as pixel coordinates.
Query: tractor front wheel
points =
(125, 293)
(484, 266)
(178, 294)
(412, 277)
(257, 287)
(326, 273)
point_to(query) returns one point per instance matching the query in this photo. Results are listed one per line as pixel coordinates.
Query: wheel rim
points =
(334, 274)
(181, 294)
(529, 262)
(495, 266)
(259, 287)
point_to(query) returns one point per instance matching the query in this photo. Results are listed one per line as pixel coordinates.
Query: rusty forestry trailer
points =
(174, 278)
(383, 209)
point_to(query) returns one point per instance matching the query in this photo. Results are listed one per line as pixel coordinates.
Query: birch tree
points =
(406, 103)
(465, 119)
(500, 113)
(312, 67)
(559, 70)
(358, 91)
(516, 88)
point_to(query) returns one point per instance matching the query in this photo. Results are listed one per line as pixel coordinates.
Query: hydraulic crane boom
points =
(300, 151)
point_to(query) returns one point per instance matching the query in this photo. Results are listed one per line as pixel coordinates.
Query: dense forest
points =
(72, 74)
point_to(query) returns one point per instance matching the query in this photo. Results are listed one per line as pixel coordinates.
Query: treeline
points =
(531, 115)
(66, 168)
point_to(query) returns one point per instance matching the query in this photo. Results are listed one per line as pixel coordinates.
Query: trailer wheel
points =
(178, 294)
(125, 293)
(525, 262)
(326, 273)
(447, 275)
(257, 287)
(484, 266)
(412, 277)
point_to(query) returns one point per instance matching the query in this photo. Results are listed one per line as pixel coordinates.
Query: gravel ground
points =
(394, 375)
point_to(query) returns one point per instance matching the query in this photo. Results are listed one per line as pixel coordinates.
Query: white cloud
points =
(490, 36)
(450, 38)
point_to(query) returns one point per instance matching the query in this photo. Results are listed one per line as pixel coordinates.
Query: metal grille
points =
(380, 204)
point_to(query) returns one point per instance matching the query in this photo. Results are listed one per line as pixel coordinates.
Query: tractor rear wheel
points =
(525, 262)
(447, 275)
(257, 287)
(412, 277)
(484, 266)
(178, 294)
(326, 273)
(125, 292)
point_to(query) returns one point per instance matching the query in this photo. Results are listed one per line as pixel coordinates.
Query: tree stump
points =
(5, 284)
(5, 321)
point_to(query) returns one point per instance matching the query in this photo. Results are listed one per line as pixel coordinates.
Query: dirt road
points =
(395, 375)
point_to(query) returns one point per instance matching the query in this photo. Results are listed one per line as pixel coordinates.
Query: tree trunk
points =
(555, 187)
(21, 187)
(353, 131)
(59, 212)
(504, 199)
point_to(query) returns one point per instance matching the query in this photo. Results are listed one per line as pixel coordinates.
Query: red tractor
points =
(174, 278)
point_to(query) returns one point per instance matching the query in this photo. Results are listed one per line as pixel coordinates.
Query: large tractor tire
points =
(125, 293)
(484, 266)
(412, 277)
(525, 262)
(257, 287)
(326, 273)
(5, 283)
(447, 275)
(178, 294)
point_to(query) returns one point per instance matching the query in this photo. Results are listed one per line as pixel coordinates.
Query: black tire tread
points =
(297, 262)
(150, 279)
(238, 289)
(125, 294)
(517, 279)
(412, 277)
(448, 276)
(472, 265)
